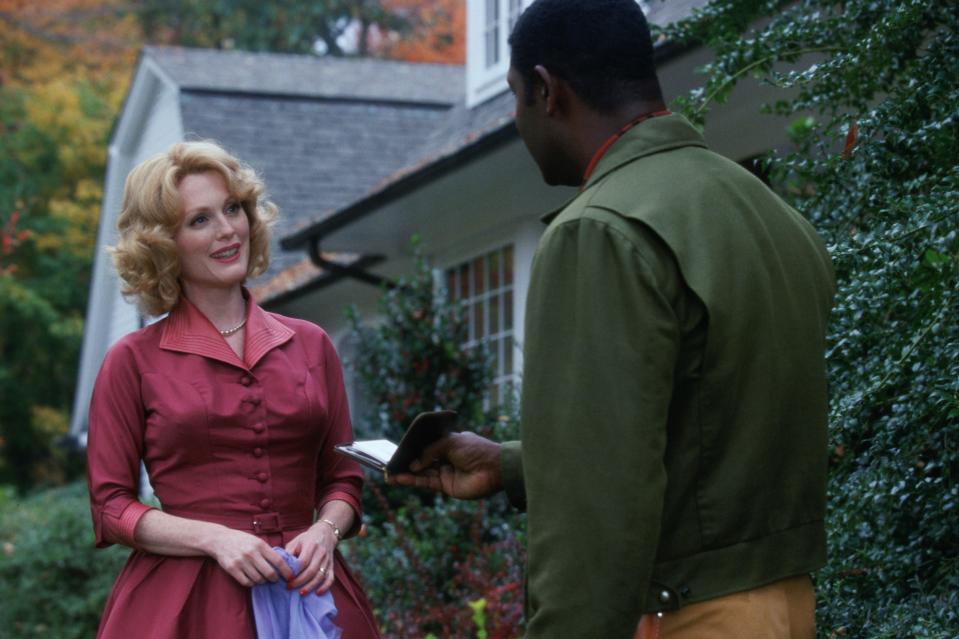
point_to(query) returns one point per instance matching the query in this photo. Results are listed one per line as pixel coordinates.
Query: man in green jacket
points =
(673, 409)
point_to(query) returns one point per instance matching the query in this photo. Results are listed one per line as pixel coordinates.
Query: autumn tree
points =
(417, 30)
(436, 32)
(335, 27)
(64, 65)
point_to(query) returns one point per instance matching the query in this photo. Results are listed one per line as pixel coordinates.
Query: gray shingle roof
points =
(313, 155)
(310, 76)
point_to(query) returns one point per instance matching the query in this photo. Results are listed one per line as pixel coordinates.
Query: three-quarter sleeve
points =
(115, 448)
(338, 477)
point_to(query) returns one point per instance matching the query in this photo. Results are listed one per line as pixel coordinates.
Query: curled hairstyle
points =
(146, 256)
(602, 48)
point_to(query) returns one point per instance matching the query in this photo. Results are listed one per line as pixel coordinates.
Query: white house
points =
(362, 154)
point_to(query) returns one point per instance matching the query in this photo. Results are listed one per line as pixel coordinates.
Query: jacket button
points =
(665, 597)
(255, 401)
(265, 503)
(258, 428)
(262, 477)
(258, 452)
(246, 380)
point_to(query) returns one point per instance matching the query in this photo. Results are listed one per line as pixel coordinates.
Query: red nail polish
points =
(303, 592)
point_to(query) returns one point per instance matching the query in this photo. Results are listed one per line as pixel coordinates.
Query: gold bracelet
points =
(336, 529)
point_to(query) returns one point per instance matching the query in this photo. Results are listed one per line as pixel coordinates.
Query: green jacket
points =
(674, 390)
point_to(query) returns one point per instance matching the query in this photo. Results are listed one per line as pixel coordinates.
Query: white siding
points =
(150, 122)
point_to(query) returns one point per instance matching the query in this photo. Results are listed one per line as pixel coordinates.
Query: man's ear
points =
(549, 88)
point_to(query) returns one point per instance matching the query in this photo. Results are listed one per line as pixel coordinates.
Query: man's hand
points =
(461, 465)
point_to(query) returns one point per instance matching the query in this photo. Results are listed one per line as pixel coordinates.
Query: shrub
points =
(413, 361)
(424, 565)
(53, 582)
(425, 559)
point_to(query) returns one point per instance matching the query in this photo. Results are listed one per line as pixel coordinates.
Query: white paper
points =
(381, 449)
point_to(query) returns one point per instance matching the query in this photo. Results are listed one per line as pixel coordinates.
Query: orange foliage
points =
(70, 62)
(438, 31)
(47, 39)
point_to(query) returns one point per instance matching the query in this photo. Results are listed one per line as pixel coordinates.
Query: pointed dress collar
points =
(187, 330)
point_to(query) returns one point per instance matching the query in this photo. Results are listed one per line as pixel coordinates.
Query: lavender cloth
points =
(285, 614)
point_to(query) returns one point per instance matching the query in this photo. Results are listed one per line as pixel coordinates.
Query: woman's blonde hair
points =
(145, 256)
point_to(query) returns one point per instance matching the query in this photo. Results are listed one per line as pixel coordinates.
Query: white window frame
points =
(499, 333)
(485, 75)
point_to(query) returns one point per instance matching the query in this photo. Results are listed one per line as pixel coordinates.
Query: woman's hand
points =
(248, 559)
(314, 548)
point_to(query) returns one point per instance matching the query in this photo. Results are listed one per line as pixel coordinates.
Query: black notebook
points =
(387, 457)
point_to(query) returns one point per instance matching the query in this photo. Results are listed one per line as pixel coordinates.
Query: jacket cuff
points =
(127, 523)
(511, 473)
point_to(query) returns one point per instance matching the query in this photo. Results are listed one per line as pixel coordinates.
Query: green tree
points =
(872, 88)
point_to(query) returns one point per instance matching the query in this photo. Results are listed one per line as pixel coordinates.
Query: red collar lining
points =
(612, 140)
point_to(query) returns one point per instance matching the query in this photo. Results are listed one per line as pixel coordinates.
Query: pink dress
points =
(247, 444)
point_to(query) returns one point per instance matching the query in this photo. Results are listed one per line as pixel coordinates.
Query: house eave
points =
(665, 50)
(408, 183)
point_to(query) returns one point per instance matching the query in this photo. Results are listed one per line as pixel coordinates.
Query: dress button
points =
(246, 380)
(258, 452)
(258, 428)
(265, 503)
(262, 477)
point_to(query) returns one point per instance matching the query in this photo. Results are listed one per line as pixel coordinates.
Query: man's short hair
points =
(602, 48)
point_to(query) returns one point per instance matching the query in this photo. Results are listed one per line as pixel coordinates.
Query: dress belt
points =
(257, 523)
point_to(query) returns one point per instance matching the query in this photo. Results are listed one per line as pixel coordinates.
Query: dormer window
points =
(489, 23)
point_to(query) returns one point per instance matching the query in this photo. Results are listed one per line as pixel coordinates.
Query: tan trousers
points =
(785, 609)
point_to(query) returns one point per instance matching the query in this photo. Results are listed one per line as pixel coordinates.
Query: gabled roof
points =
(322, 132)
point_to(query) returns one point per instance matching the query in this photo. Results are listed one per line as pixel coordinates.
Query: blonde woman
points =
(234, 410)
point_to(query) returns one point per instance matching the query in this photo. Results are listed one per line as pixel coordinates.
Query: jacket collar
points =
(654, 135)
(187, 330)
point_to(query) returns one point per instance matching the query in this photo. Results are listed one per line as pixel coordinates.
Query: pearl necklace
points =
(230, 331)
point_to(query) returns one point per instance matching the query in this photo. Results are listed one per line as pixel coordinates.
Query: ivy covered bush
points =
(433, 566)
(872, 88)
